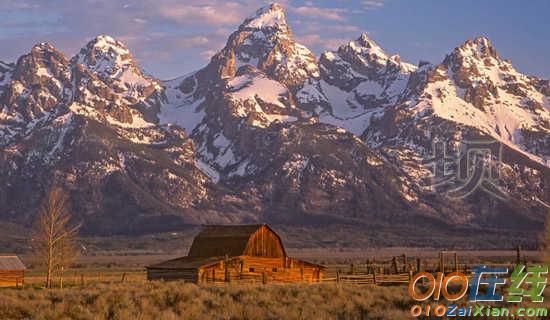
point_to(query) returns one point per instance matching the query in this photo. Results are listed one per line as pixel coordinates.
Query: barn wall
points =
(258, 270)
(264, 243)
(12, 278)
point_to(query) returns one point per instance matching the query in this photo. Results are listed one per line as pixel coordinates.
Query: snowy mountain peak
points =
(476, 61)
(114, 64)
(33, 88)
(480, 40)
(105, 43)
(104, 55)
(264, 41)
(366, 52)
(43, 46)
(43, 60)
(42, 54)
(365, 41)
(480, 47)
(369, 50)
(270, 16)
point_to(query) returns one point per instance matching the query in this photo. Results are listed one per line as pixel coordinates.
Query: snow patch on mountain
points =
(248, 87)
(208, 170)
(180, 108)
(188, 116)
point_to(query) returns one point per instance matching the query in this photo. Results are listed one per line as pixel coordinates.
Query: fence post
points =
(394, 264)
(241, 270)
(518, 255)
(225, 269)
(337, 276)
(368, 266)
(264, 278)
(456, 261)
(123, 277)
(404, 262)
(374, 275)
(441, 263)
(302, 273)
(351, 268)
(418, 264)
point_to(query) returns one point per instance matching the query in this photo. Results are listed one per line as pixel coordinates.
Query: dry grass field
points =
(177, 300)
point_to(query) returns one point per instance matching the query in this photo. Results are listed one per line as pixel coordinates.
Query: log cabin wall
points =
(12, 278)
(260, 270)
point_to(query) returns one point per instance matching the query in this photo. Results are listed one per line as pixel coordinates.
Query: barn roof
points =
(11, 263)
(221, 240)
(186, 263)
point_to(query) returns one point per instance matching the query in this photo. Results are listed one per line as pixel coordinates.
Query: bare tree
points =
(53, 237)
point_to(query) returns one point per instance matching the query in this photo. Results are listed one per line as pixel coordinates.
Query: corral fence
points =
(400, 269)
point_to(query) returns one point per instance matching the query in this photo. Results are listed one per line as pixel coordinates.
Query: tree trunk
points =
(61, 277)
(50, 268)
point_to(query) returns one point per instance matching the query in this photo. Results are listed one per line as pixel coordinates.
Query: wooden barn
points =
(12, 271)
(243, 253)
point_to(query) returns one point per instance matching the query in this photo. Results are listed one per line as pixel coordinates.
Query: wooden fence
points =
(359, 279)
(379, 279)
(400, 269)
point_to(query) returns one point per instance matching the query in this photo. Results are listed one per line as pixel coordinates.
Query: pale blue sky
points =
(173, 37)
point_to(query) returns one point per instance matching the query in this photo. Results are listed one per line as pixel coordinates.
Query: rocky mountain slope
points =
(268, 132)
(77, 123)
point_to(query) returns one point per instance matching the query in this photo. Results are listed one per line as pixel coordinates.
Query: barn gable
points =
(265, 243)
(252, 240)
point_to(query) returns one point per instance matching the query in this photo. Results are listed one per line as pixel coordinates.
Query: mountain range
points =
(268, 132)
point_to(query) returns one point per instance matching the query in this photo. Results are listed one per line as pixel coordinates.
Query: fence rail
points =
(381, 279)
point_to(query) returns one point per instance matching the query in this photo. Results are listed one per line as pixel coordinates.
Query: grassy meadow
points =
(177, 300)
